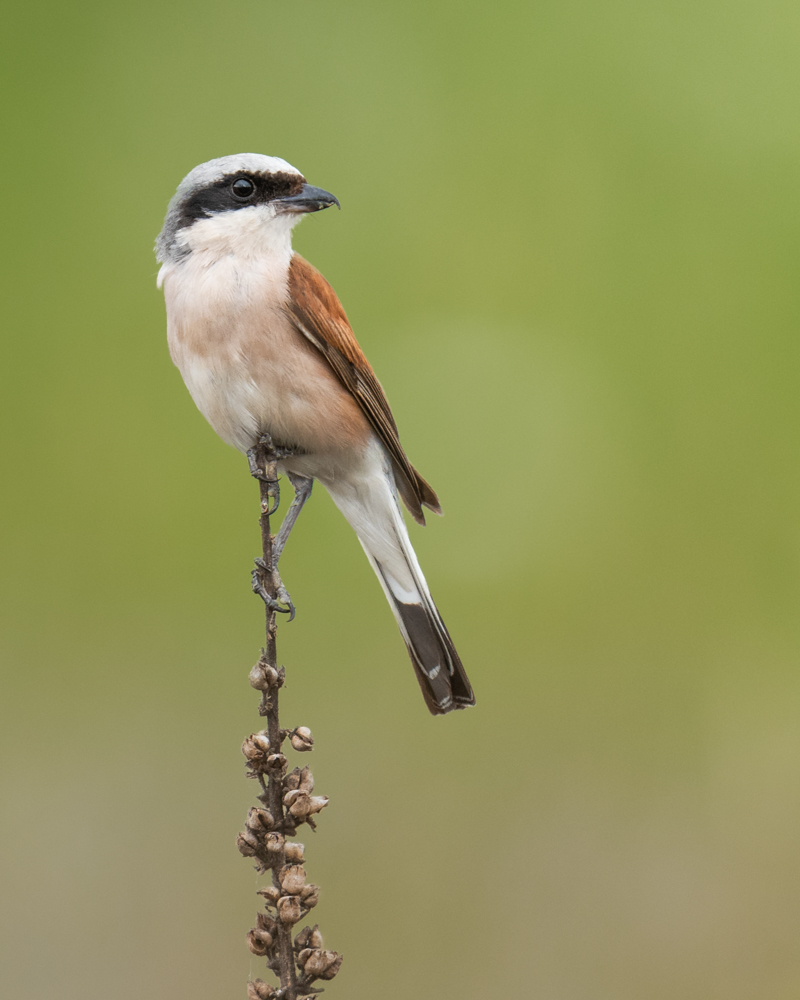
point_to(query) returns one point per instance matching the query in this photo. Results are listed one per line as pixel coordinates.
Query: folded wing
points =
(317, 313)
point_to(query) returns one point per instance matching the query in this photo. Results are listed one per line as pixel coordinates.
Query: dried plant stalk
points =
(287, 801)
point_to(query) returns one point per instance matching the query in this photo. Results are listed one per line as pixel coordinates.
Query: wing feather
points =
(317, 313)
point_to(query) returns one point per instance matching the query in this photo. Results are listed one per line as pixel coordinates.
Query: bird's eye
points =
(243, 188)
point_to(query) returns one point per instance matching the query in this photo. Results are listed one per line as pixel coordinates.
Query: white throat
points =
(257, 231)
(245, 236)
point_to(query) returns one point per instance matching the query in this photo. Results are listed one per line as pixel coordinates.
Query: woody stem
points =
(269, 708)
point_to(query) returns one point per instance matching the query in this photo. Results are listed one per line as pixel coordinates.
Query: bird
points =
(268, 355)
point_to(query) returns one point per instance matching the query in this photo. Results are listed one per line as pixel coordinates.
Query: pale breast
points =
(246, 367)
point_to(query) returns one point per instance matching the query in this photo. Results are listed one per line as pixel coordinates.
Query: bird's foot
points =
(262, 459)
(281, 602)
(266, 452)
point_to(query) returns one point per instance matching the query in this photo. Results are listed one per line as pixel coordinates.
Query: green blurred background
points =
(569, 245)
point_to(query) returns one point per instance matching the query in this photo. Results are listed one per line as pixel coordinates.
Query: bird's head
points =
(237, 204)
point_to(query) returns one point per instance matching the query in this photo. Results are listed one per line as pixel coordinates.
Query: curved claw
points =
(274, 492)
(283, 596)
(271, 603)
(255, 469)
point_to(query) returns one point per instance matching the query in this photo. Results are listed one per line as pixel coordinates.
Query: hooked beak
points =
(308, 199)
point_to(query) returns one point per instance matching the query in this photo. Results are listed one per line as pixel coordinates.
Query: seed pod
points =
(302, 939)
(250, 836)
(318, 802)
(266, 922)
(302, 740)
(258, 677)
(315, 963)
(245, 849)
(264, 936)
(306, 780)
(276, 762)
(315, 938)
(292, 780)
(289, 909)
(293, 879)
(250, 750)
(259, 990)
(271, 894)
(257, 941)
(299, 803)
(261, 740)
(304, 956)
(309, 895)
(275, 842)
(320, 963)
(334, 965)
(247, 843)
(294, 852)
(260, 819)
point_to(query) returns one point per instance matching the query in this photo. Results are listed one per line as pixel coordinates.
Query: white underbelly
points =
(229, 399)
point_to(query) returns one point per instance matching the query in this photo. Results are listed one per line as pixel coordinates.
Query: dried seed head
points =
(266, 922)
(247, 844)
(258, 941)
(292, 780)
(289, 909)
(309, 895)
(265, 937)
(302, 740)
(258, 677)
(334, 964)
(304, 956)
(302, 939)
(255, 748)
(259, 990)
(306, 780)
(316, 963)
(271, 895)
(259, 820)
(292, 879)
(298, 803)
(294, 852)
(301, 804)
(250, 750)
(275, 842)
(322, 964)
(307, 939)
(261, 740)
(276, 762)
(263, 676)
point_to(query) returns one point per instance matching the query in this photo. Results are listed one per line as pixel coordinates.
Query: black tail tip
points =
(446, 706)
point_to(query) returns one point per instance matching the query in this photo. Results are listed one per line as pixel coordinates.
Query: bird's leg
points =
(262, 459)
(302, 491)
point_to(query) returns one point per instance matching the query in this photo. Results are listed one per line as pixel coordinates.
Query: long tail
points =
(372, 508)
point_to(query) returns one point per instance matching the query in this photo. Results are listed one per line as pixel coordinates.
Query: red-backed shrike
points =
(264, 347)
